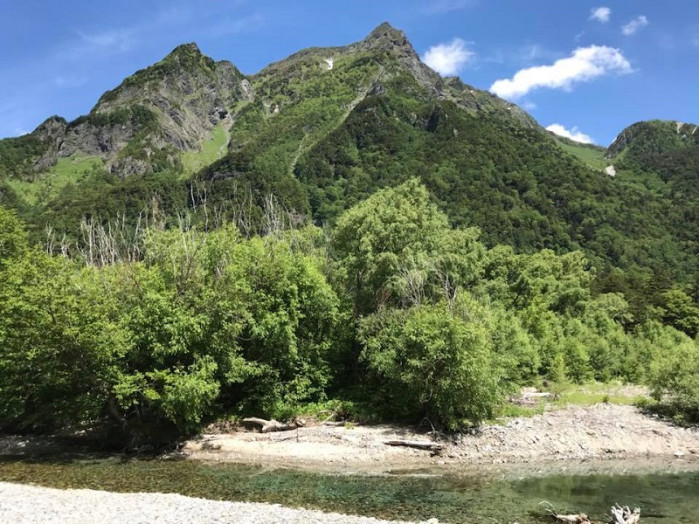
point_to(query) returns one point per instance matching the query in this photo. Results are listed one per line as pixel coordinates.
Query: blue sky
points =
(591, 71)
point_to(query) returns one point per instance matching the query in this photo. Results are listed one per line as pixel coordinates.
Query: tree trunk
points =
(274, 425)
(417, 444)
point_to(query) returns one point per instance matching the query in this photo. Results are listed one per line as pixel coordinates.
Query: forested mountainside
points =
(215, 243)
(325, 128)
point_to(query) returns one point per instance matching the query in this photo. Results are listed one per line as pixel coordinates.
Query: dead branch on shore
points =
(267, 426)
(619, 515)
(574, 519)
(623, 515)
(417, 444)
(530, 398)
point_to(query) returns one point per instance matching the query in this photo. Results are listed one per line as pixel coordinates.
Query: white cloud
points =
(634, 25)
(585, 64)
(529, 105)
(601, 14)
(573, 134)
(448, 59)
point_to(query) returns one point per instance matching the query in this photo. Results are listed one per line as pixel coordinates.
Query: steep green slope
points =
(304, 99)
(485, 164)
(591, 155)
(640, 143)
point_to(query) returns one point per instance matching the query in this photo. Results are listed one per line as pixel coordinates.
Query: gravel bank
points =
(22, 504)
(598, 432)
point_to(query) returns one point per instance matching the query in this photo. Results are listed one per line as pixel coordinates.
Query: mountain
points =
(641, 141)
(326, 127)
(668, 150)
(143, 124)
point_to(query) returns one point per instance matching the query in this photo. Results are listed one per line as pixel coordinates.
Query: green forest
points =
(390, 314)
(368, 239)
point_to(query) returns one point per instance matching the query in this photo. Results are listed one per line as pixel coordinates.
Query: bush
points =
(675, 380)
(428, 362)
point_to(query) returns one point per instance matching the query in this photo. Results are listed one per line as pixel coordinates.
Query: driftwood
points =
(273, 425)
(573, 519)
(529, 398)
(417, 444)
(623, 515)
(619, 515)
(333, 423)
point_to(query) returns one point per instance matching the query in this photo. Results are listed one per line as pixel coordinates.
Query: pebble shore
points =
(25, 504)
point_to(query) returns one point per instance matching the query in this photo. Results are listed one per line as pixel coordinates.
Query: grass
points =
(584, 397)
(597, 393)
(593, 158)
(211, 150)
(565, 395)
(48, 184)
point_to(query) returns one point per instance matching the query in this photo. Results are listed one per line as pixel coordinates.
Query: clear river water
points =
(450, 497)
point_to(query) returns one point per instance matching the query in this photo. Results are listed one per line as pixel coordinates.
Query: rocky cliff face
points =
(189, 92)
(145, 122)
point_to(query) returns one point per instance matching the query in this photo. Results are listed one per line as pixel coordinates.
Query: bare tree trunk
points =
(273, 425)
(417, 444)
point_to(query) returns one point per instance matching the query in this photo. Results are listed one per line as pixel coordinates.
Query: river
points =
(416, 495)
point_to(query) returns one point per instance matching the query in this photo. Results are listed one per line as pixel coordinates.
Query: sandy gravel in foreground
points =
(23, 504)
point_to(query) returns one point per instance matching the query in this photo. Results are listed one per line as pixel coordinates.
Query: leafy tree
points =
(13, 238)
(59, 344)
(375, 238)
(431, 363)
(681, 312)
(675, 378)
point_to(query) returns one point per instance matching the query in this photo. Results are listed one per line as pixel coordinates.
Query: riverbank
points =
(573, 434)
(24, 504)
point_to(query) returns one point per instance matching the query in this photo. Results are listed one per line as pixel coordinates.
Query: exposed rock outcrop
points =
(170, 106)
(144, 124)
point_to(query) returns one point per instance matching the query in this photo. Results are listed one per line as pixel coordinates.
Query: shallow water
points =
(448, 497)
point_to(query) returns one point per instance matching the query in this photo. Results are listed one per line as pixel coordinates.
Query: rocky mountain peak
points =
(187, 56)
(157, 112)
(185, 49)
(50, 127)
(386, 38)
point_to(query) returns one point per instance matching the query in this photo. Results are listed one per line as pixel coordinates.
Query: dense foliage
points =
(392, 310)
(17, 156)
(372, 235)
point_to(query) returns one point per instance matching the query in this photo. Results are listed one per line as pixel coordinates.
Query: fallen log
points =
(619, 515)
(273, 425)
(417, 444)
(573, 519)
